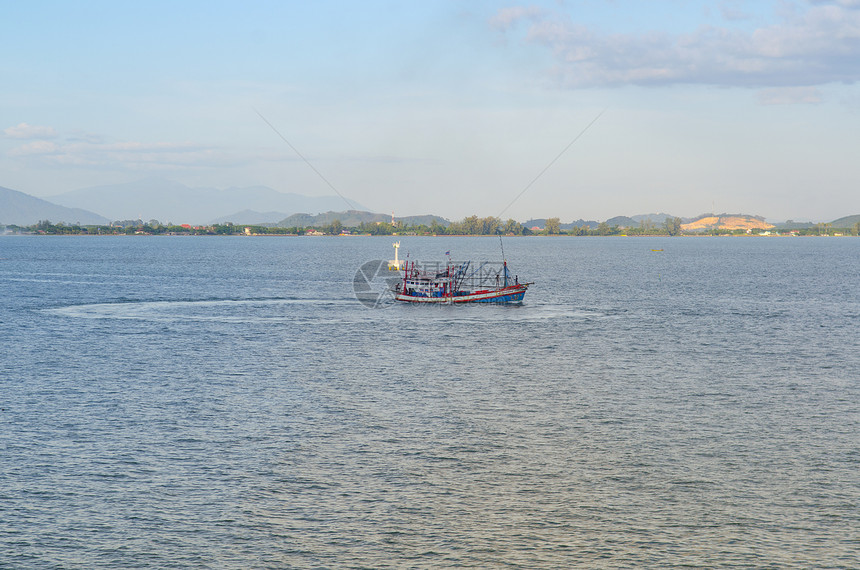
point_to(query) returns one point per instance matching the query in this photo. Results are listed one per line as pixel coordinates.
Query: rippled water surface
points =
(226, 402)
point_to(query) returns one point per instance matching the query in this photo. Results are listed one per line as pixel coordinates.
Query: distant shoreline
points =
(285, 235)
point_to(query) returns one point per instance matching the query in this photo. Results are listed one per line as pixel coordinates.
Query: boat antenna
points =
(502, 245)
(547, 167)
(308, 162)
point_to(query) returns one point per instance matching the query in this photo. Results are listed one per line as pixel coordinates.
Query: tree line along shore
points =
(470, 226)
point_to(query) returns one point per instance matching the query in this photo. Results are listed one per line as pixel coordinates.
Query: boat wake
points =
(320, 311)
(200, 310)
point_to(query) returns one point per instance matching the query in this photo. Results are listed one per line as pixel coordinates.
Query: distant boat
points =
(457, 282)
(656, 250)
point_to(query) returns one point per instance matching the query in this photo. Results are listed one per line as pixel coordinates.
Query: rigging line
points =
(547, 167)
(300, 155)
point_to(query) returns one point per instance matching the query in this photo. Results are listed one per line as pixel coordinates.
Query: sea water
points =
(227, 402)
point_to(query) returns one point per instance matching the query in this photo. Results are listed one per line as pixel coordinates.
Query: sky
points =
(445, 107)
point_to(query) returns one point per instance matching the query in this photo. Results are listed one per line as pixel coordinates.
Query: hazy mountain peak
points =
(23, 210)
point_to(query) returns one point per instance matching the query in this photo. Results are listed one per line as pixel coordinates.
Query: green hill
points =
(846, 222)
(792, 225)
(623, 222)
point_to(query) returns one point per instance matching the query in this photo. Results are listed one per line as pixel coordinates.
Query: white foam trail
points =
(203, 310)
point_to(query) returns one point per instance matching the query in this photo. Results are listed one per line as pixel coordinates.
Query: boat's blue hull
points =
(513, 298)
(513, 294)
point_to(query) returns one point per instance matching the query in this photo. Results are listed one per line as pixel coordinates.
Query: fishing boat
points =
(453, 283)
(459, 282)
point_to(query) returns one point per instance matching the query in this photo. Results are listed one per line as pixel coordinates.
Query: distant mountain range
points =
(168, 201)
(165, 200)
(541, 224)
(353, 218)
(620, 221)
(25, 210)
(700, 223)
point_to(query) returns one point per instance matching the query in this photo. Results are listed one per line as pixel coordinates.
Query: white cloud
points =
(789, 96)
(25, 131)
(35, 148)
(731, 12)
(806, 48)
(843, 3)
(126, 155)
(508, 17)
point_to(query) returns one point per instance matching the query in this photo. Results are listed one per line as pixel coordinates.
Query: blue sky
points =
(445, 107)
